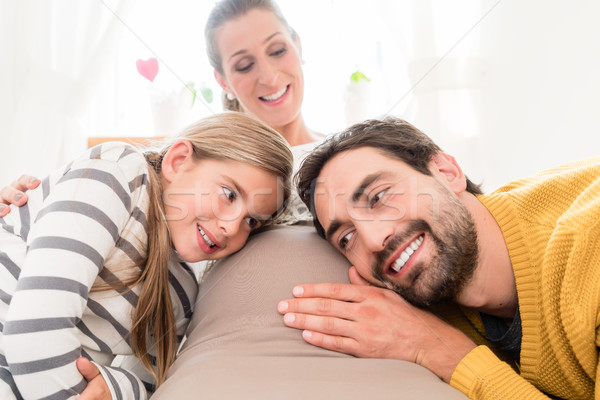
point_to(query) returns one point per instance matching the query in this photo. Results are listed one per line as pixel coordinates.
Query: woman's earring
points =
(230, 97)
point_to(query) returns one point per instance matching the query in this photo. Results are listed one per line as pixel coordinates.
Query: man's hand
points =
(97, 389)
(15, 193)
(372, 322)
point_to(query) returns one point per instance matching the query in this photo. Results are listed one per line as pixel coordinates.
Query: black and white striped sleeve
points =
(68, 243)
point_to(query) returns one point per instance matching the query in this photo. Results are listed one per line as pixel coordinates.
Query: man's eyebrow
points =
(335, 225)
(356, 194)
(365, 183)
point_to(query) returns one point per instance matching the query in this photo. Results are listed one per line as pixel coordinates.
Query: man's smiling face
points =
(400, 228)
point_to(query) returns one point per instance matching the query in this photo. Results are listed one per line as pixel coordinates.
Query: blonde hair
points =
(224, 11)
(230, 136)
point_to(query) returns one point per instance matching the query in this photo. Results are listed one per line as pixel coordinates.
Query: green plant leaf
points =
(359, 76)
(207, 94)
(191, 88)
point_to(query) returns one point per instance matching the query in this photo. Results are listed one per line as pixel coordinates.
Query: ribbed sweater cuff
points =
(474, 369)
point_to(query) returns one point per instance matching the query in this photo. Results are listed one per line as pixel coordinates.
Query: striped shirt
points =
(83, 226)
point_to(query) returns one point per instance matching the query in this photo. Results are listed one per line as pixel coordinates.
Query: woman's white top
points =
(297, 212)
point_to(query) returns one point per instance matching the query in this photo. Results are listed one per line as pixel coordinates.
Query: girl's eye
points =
(230, 194)
(375, 199)
(252, 222)
(344, 240)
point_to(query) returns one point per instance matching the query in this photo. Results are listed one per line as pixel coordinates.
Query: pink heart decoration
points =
(148, 68)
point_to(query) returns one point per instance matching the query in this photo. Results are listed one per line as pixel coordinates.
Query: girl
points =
(94, 264)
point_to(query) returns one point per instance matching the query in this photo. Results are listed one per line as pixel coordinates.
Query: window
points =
(338, 38)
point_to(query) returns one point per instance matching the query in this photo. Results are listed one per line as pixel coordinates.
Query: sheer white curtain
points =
(509, 88)
(55, 54)
(445, 71)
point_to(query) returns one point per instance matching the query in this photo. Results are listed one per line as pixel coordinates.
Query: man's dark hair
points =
(395, 137)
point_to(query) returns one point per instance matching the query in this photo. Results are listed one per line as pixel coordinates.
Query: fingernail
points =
(2, 207)
(289, 318)
(282, 306)
(18, 197)
(298, 291)
(306, 334)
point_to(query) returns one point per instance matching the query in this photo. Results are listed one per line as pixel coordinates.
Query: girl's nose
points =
(229, 227)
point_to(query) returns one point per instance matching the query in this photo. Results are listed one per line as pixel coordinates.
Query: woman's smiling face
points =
(262, 67)
(211, 206)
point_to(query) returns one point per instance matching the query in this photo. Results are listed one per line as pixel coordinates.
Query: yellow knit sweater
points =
(551, 225)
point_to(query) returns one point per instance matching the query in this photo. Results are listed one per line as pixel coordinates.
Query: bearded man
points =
(497, 294)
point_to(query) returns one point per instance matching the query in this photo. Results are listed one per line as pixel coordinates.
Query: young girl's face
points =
(212, 206)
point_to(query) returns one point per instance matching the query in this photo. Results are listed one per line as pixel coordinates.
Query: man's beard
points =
(451, 267)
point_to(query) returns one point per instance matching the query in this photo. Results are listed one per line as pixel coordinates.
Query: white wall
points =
(533, 76)
(7, 72)
(541, 86)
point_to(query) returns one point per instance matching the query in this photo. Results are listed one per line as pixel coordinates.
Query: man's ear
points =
(176, 159)
(446, 167)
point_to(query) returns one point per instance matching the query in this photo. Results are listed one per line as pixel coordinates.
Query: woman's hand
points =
(15, 193)
(97, 389)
